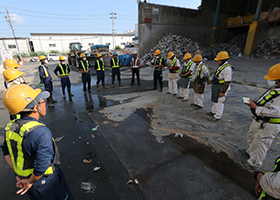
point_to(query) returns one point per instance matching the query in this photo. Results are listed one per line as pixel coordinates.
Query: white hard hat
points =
(135, 52)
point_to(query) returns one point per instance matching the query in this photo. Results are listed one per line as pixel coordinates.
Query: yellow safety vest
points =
(219, 71)
(171, 64)
(200, 68)
(85, 69)
(114, 64)
(64, 73)
(187, 69)
(15, 138)
(160, 62)
(45, 70)
(98, 66)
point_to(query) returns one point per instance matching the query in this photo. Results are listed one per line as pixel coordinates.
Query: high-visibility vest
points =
(171, 64)
(16, 132)
(85, 68)
(187, 69)
(261, 102)
(200, 68)
(114, 64)
(215, 79)
(98, 65)
(46, 72)
(160, 61)
(66, 73)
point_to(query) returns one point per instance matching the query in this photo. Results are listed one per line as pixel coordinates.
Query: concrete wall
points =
(22, 43)
(195, 24)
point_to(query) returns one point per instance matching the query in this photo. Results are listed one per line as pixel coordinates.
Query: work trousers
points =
(198, 99)
(86, 80)
(158, 78)
(135, 71)
(260, 138)
(184, 92)
(100, 77)
(48, 85)
(218, 108)
(50, 187)
(65, 82)
(173, 82)
(116, 71)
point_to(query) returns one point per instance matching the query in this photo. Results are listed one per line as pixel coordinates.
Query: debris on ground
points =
(130, 181)
(88, 186)
(87, 160)
(179, 134)
(136, 181)
(59, 138)
(88, 157)
(95, 128)
(96, 169)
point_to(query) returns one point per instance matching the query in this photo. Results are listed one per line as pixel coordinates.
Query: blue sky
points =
(87, 16)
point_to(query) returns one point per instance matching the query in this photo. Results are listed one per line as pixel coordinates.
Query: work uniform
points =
(85, 65)
(158, 71)
(46, 78)
(100, 72)
(184, 82)
(135, 68)
(201, 75)
(270, 182)
(173, 75)
(223, 74)
(264, 127)
(63, 70)
(115, 64)
(33, 151)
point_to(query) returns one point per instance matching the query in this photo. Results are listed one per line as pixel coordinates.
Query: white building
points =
(9, 44)
(60, 41)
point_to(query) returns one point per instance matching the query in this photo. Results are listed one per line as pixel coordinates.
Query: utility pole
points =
(113, 30)
(11, 25)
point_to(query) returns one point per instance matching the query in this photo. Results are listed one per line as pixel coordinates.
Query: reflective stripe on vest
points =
(187, 69)
(23, 165)
(271, 95)
(219, 71)
(98, 64)
(114, 64)
(46, 72)
(85, 69)
(173, 63)
(63, 73)
(160, 61)
(200, 68)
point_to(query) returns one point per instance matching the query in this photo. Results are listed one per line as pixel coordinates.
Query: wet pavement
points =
(135, 140)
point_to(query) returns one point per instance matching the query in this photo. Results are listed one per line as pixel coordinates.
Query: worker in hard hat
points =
(201, 76)
(115, 64)
(173, 75)
(9, 63)
(100, 71)
(13, 77)
(85, 67)
(220, 85)
(266, 123)
(135, 68)
(29, 148)
(186, 75)
(158, 65)
(62, 71)
(46, 79)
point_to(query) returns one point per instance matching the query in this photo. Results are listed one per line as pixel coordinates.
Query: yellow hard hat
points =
(11, 74)
(99, 55)
(42, 57)
(17, 97)
(61, 58)
(157, 52)
(82, 55)
(10, 63)
(187, 56)
(273, 73)
(222, 56)
(197, 58)
(170, 54)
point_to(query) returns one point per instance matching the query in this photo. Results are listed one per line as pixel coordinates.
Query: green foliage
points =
(54, 51)
(118, 47)
(24, 54)
(33, 54)
(39, 53)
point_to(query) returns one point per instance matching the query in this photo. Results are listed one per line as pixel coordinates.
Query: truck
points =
(76, 51)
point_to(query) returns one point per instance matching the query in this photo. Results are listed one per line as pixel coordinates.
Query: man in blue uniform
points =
(100, 71)
(85, 67)
(115, 64)
(158, 65)
(29, 148)
(64, 71)
(46, 79)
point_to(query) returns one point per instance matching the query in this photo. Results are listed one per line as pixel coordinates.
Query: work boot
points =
(103, 84)
(120, 85)
(50, 103)
(112, 85)
(97, 87)
(63, 93)
(155, 87)
(160, 89)
(70, 95)
(52, 100)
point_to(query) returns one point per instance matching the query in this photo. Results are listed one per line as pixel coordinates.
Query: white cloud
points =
(17, 19)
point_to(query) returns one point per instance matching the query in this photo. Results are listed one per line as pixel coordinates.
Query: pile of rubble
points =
(181, 45)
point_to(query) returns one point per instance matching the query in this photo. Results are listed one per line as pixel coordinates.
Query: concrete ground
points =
(135, 138)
